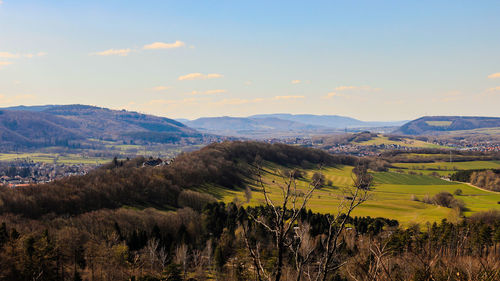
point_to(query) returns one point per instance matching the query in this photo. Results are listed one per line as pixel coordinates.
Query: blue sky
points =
(373, 60)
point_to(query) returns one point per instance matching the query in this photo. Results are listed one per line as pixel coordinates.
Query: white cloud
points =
(209, 92)
(113, 52)
(200, 76)
(494, 75)
(288, 97)
(161, 45)
(295, 81)
(161, 88)
(5, 63)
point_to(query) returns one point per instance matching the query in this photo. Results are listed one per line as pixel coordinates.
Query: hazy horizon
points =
(370, 61)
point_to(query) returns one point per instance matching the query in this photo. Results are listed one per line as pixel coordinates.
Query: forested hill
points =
(436, 124)
(128, 183)
(66, 124)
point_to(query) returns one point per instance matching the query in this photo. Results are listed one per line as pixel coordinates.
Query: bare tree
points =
(352, 198)
(151, 249)
(162, 257)
(181, 257)
(303, 247)
(283, 217)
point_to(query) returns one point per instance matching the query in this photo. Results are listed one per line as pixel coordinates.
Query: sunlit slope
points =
(444, 168)
(391, 197)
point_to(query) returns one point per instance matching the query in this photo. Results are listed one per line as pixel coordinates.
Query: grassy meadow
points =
(380, 139)
(392, 195)
(443, 168)
(55, 158)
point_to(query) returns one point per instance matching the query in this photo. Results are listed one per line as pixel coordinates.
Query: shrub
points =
(319, 178)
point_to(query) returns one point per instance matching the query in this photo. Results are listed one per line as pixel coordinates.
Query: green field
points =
(404, 142)
(493, 131)
(53, 158)
(447, 166)
(391, 196)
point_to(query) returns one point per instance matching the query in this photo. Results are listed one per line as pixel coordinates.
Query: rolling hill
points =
(251, 127)
(55, 125)
(272, 125)
(439, 124)
(224, 171)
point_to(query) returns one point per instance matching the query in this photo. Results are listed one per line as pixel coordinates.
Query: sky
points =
(371, 60)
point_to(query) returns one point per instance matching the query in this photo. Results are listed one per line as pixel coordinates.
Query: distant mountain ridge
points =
(59, 124)
(257, 126)
(437, 124)
(248, 127)
(329, 121)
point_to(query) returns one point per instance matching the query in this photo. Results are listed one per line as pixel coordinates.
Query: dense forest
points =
(127, 221)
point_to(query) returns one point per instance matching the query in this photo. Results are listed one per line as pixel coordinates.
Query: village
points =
(24, 172)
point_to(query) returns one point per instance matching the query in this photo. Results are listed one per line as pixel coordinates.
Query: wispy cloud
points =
(494, 75)
(394, 102)
(288, 97)
(449, 97)
(237, 101)
(113, 52)
(16, 99)
(173, 102)
(8, 55)
(161, 45)
(209, 92)
(494, 89)
(161, 88)
(199, 76)
(295, 81)
(339, 91)
(357, 88)
(334, 94)
(5, 63)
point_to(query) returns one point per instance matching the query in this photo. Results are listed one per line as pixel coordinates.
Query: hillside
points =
(127, 183)
(23, 128)
(127, 221)
(59, 125)
(226, 172)
(440, 124)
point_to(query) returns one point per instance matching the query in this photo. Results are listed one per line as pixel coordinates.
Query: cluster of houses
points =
(22, 173)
